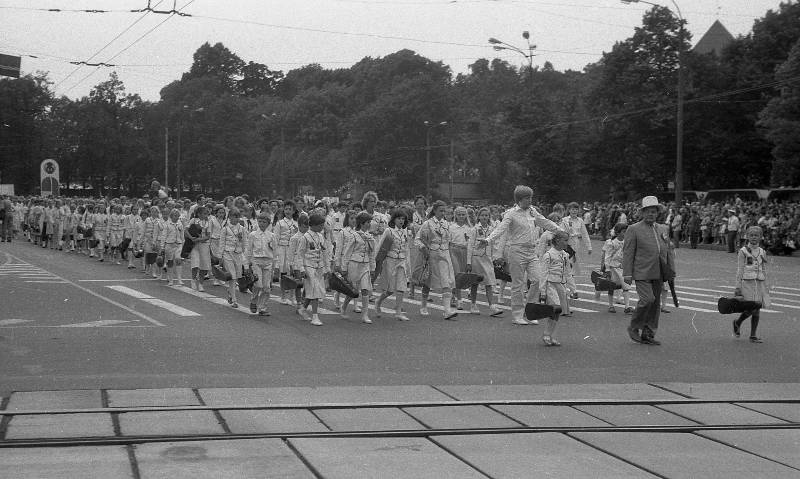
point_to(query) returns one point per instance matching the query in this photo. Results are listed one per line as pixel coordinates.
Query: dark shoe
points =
(754, 339)
(253, 308)
(650, 341)
(665, 310)
(634, 335)
(628, 310)
(736, 332)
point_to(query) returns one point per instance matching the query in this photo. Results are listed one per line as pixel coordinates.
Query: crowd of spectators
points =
(720, 223)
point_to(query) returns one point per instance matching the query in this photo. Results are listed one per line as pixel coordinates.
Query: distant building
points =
(714, 41)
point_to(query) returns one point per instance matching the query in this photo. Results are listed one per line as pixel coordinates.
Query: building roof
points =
(715, 40)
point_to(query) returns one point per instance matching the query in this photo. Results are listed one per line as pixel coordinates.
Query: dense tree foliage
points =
(232, 125)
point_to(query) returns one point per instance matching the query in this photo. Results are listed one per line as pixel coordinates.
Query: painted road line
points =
(107, 300)
(172, 308)
(786, 288)
(783, 293)
(244, 297)
(115, 280)
(670, 305)
(94, 324)
(483, 303)
(9, 322)
(52, 281)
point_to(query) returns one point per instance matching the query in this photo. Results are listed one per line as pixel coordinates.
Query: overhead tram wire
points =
(103, 48)
(129, 45)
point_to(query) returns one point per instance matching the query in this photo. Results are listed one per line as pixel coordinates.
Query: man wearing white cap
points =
(646, 260)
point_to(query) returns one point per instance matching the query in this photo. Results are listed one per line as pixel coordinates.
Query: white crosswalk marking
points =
(243, 308)
(173, 308)
(95, 324)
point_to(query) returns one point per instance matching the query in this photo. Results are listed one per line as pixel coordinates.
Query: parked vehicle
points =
(784, 195)
(730, 194)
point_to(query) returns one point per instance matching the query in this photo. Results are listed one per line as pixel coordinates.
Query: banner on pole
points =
(50, 179)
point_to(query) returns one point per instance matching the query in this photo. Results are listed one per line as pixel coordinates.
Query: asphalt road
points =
(68, 322)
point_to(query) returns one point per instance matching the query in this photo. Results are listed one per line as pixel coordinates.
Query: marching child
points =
(343, 236)
(578, 240)
(200, 256)
(314, 254)
(171, 244)
(215, 225)
(479, 261)
(395, 265)
(552, 286)
(285, 228)
(152, 226)
(138, 236)
(612, 259)
(358, 262)
(100, 230)
(433, 240)
(460, 233)
(260, 251)
(295, 263)
(751, 277)
(115, 232)
(231, 245)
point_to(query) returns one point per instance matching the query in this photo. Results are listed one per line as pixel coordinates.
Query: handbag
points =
(602, 281)
(343, 285)
(247, 280)
(501, 271)
(467, 280)
(290, 282)
(735, 305)
(539, 311)
(188, 245)
(220, 273)
(421, 275)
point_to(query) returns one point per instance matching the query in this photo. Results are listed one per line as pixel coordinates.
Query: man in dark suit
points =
(645, 250)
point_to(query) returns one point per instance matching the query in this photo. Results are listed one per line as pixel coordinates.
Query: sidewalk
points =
(572, 430)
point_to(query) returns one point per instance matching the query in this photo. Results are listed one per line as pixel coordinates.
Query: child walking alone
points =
(751, 277)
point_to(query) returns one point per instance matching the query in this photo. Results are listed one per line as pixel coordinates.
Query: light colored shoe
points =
(356, 309)
(304, 314)
(342, 312)
(169, 282)
(200, 287)
(424, 312)
(401, 317)
(533, 322)
(315, 321)
(474, 309)
(378, 311)
(521, 322)
(365, 319)
(177, 282)
(193, 284)
(496, 311)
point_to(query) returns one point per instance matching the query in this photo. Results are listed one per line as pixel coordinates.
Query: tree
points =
(781, 119)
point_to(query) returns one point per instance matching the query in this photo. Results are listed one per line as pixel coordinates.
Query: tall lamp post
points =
(282, 175)
(501, 45)
(429, 125)
(179, 189)
(679, 113)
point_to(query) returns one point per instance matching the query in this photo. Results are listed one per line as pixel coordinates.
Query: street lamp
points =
(679, 113)
(501, 45)
(429, 125)
(282, 175)
(180, 132)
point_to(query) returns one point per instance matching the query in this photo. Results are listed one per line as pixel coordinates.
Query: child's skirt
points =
(172, 252)
(114, 238)
(483, 266)
(458, 257)
(314, 283)
(442, 276)
(200, 257)
(233, 264)
(359, 275)
(616, 276)
(282, 259)
(755, 290)
(395, 275)
(557, 296)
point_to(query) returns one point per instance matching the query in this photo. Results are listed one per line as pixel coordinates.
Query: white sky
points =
(335, 33)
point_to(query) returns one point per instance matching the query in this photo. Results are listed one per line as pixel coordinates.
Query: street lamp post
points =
(501, 45)
(429, 125)
(282, 174)
(179, 190)
(679, 112)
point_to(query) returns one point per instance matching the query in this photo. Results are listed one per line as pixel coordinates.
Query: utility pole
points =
(166, 157)
(452, 166)
(283, 162)
(178, 164)
(428, 164)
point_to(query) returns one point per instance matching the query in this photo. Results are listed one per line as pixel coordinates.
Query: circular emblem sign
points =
(49, 167)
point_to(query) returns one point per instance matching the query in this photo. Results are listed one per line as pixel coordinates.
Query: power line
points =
(131, 44)
(103, 48)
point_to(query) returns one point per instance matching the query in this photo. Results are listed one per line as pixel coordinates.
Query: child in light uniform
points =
(260, 252)
(395, 266)
(612, 259)
(149, 239)
(315, 256)
(578, 240)
(417, 218)
(215, 224)
(139, 236)
(751, 277)
(171, 244)
(115, 232)
(285, 228)
(231, 246)
(129, 231)
(296, 263)
(479, 261)
(552, 284)
(342, 236)
(460, 234)
(358, 263)
(100, 221)
(433, 240)
(200, 256)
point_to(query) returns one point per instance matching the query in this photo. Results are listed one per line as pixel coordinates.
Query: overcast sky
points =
(149, 50)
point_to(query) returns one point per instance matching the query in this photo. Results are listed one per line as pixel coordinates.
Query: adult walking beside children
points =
(648, 262)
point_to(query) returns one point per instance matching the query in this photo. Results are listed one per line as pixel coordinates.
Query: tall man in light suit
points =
(645, 250)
